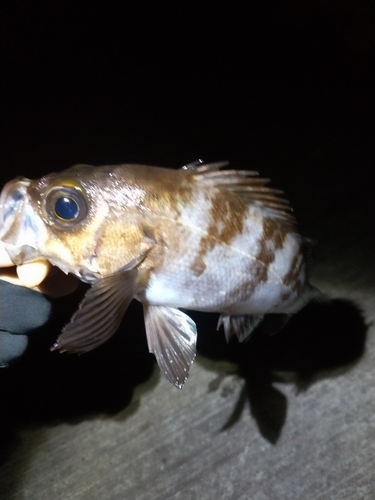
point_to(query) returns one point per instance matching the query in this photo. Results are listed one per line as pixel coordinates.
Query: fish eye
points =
(66, 206)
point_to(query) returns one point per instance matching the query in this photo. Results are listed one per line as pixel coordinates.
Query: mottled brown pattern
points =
(286, 296)
(199, 265)
(258, 268)
(227, 216)
(292, 277)
(275, 232)
(166, 189)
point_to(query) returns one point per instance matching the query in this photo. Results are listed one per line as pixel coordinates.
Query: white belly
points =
(233, 281)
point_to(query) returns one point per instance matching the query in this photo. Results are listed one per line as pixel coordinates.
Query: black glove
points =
(22, 310)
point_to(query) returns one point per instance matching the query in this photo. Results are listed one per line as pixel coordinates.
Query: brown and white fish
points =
(201, 237)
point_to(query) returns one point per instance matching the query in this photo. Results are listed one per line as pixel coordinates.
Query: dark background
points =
(285, 88)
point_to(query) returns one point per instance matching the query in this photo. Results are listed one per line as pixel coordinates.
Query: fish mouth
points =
(19, 226)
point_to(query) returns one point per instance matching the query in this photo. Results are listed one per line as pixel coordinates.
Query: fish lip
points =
(23, 254)
(12, 198)
(19, 225)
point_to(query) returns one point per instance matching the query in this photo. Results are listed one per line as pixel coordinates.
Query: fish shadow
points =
(323, 340)
(44, 388)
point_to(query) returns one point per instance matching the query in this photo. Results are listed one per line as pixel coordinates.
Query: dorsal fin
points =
(199, 166)
(247, 185)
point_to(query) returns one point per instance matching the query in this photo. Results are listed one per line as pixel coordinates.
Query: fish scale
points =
(203, 237)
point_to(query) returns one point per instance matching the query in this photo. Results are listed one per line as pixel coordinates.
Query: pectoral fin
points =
(242, 326)
(171, 337)
(99, 314)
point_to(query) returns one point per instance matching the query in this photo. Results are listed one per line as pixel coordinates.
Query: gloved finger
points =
(11, 347)
(22, 309)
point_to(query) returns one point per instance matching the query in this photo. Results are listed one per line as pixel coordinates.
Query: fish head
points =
(71, 218)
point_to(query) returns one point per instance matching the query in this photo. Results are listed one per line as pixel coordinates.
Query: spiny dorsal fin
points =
(199, 166)
(247, 185)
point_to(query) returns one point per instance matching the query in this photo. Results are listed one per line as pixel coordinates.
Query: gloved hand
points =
(24, 303)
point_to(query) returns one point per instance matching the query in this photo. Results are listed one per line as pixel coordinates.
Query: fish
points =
(202, 237)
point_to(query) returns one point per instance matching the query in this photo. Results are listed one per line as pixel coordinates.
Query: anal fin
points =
(242, 326)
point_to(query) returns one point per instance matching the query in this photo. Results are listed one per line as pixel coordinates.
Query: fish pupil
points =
(66, 208)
